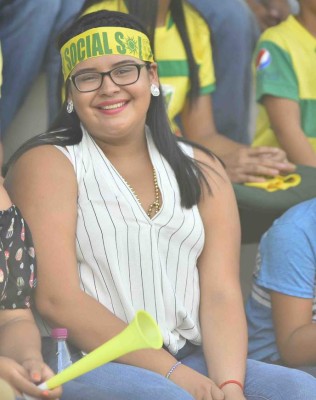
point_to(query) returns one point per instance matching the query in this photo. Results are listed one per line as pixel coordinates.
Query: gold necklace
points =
(154, 207)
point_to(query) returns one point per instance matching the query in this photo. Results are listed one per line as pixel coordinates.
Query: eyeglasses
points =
(122, 76)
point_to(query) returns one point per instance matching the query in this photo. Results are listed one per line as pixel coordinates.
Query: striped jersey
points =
(285, 65)
(171, 57)
(126, 260)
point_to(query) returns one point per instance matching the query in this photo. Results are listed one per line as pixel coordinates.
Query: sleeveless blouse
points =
(17, 261)
(128, 261)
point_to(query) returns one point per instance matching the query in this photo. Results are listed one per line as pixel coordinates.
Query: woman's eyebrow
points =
(94, 69)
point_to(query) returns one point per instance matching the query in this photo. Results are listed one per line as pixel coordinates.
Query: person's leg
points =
(310, 369)
(76, 390)
(234, 34)
(273, 382)
(126, 382)
(264, 381)
(68, 11)
(25, 28)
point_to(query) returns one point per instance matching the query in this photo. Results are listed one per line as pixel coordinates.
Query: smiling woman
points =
(133, 218)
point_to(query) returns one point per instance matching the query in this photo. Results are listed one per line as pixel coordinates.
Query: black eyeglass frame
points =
(72, 78)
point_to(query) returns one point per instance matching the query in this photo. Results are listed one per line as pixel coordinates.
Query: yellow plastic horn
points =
(141, 333)
(6, 391)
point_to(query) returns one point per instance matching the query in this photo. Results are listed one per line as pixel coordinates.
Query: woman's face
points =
(113, 112)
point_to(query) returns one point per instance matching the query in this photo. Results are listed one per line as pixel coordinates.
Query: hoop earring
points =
(154, 90)
(70, 107)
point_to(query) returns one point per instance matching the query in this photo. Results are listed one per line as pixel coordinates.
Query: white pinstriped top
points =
(128, 261)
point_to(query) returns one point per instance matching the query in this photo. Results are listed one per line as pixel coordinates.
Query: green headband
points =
(103, 41)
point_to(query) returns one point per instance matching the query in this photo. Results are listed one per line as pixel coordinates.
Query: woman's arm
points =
(287, 270)
(5, 201)
(285, 119)
(243, 163)
(21, 362)
(16, 328)
(47, 197)
(294, 329)
(222, 318)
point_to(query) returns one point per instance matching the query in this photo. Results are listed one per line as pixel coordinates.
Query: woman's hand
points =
(25, 378)
(248, 164)
(198, 385)
(233, 392)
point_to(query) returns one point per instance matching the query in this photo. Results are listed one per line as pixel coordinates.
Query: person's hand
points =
(198, 385)
(249, 164)
(233, 392)
(276, 154)
(25, 378)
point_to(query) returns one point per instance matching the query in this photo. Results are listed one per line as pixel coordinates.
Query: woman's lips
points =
(112, 108)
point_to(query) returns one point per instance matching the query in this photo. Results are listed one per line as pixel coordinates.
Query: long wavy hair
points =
(66, 128)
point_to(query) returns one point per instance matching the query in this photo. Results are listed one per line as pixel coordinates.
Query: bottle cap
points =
(59, 333)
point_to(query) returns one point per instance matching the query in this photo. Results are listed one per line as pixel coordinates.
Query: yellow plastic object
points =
(141, 333)
(279, 182)
(6, 391)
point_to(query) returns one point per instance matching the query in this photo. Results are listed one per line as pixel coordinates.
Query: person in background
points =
(235, 26)
(110, 243)
(21, 362)
(28, 30)
(281, 310)
(234, 34)
(286, 86)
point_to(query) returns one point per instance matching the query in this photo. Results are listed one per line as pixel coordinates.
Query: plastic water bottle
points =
(61, 356)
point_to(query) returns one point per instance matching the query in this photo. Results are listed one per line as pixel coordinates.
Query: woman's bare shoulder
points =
(38, 161)
(39, 170)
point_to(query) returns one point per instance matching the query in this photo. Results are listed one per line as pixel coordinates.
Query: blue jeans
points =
(76, 390)
(79, 391)
(234, 34)
(28, 30)
(311, 369)
(263, 381)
